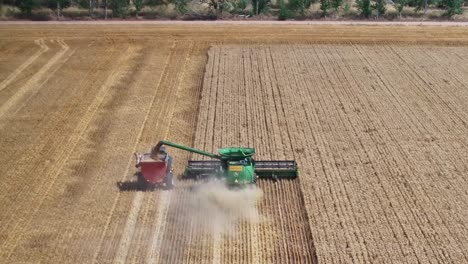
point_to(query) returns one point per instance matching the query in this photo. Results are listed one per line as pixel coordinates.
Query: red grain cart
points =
(154, 170)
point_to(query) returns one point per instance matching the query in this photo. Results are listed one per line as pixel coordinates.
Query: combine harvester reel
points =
(235, 165)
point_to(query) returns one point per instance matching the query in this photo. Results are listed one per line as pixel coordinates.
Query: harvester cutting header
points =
(235, 165)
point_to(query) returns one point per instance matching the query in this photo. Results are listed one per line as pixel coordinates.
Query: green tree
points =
(138, 6)
(284, 12)
(336, 4)
(27, 6)
(260, 6)
(364, 6)
(239, 6)
(57, 5)
(454, 7)
(419, 4)
(219, 6)
(399, 5)
(155, 2)
(324, 6)
(181, 6)
(91, 4)
(299, 6)
(83, 4)
(119, 8)
(380, 6)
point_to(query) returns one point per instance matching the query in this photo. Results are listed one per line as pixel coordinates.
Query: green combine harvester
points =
(235, 165)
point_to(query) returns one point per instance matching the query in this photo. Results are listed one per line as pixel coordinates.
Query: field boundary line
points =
(114, 205)
(73, 141)
(33, 82)
(43, 48)
(163, 208)
(246, 22)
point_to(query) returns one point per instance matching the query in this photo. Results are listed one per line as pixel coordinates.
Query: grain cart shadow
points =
(137, 184)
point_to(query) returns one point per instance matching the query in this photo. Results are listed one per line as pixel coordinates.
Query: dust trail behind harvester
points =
(200, 216)
(216, 209)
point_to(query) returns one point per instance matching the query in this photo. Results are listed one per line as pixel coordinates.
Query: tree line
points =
(367, 8)
(286, 10)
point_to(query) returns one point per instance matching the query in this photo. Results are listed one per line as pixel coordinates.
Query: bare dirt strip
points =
(243, 22)
(375, 117)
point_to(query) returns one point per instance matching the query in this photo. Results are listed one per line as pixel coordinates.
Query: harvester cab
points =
(235, 165)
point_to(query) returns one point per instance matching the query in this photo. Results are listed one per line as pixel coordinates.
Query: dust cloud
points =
(216, 208)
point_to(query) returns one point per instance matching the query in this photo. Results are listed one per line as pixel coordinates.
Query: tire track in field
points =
(138, 138)
(34, 84)
(182, 241)
(114, 205)
(153, 255)
(89, 177)
(171, 241)
(126, 239)
(46, 142)
(53, 173)
(43, 48)
(166, 196)
(49, 75)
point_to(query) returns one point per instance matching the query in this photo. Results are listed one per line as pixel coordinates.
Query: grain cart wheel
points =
(169, 181)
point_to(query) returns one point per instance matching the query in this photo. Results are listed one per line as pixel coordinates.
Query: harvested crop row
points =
(157, 121)
(41, 129)
(59, 189)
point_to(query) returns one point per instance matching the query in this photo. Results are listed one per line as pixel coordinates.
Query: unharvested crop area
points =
(379, 133)
(374, 116)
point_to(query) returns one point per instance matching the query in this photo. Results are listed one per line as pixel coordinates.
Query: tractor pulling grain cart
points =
(235, 165)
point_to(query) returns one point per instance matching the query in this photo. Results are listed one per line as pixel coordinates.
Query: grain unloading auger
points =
(234, 164)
